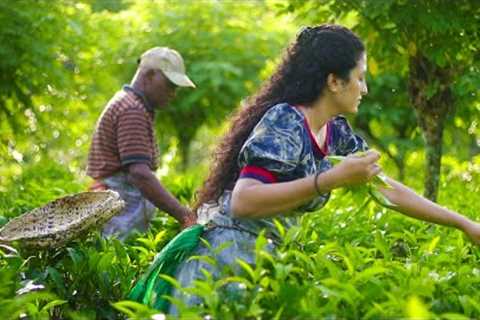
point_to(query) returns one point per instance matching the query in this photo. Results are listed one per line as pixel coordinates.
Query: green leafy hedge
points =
(348, 260)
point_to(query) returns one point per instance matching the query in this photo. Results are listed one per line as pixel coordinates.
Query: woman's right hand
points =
(356, 170)
(472, 229)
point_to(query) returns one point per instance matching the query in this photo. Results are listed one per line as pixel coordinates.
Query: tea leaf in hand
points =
(379, 180)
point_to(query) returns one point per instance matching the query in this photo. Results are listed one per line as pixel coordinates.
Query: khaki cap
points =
(170, 62)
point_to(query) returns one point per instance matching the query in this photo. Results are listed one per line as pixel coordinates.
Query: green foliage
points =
(69, 59)
(88, 274)
(344, 261)
(224, 53)
(28, 57)
(36, 185)
(25, 298)
(351, 262)
(59, 65)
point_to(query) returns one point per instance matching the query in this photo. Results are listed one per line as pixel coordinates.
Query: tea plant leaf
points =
(247, 268)
(120, 252)
(370, 273)
(300, 256)
(291, 235)
(382, 246)
(453, 316)
(206, 244)
(278, 314)
(57, 279)
(379, 197)
(235, 279)
(261, 241)
(141, 249)
(105, 262)
(433, 244)
(222, 247)
(280, 228)
(52, 304)
(264, 255)
(75, 256)
(170, 280)
(415, 309)
(469, 305)
(206, 259)
(149, 243)
(379, 180)
(134, 310)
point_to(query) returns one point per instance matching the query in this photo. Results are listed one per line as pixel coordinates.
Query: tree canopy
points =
(431, 45)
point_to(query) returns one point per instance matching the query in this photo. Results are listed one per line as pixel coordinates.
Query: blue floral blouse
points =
(282, 148)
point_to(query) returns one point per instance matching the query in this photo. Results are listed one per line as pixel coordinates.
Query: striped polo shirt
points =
(124, 134)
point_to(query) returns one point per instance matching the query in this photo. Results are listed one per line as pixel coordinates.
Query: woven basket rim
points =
(111, 198)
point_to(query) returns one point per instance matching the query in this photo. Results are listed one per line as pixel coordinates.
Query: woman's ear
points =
(334, 83)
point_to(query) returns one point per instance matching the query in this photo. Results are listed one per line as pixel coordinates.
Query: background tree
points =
(225, 53)
(433, 44)
(62, 63)
(39, 45)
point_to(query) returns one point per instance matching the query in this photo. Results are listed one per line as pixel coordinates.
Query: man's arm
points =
(140, 175)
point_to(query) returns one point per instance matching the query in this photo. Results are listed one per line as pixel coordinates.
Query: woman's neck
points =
(317, 115)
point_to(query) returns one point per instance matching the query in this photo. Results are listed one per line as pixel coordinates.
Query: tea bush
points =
(352, 259)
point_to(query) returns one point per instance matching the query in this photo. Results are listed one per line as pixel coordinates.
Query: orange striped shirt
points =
(124, 134)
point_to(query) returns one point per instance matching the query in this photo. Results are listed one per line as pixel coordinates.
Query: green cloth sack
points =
(151, 289)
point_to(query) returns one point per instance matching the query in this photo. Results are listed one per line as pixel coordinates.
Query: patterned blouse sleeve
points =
(274, 148)
(345, 141)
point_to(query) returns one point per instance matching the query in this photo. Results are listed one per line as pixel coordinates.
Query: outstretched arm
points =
(411, 204)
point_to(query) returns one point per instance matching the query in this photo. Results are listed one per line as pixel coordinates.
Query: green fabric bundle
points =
(150, 288)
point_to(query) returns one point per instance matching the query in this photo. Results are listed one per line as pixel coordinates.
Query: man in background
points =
(123, 154)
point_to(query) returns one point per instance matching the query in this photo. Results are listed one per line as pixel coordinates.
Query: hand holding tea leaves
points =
(379, 180)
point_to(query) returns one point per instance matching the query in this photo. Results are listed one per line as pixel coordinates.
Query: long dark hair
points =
(299, 79)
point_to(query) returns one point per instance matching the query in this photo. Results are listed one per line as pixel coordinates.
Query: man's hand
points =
(189, 219)
(140, 175)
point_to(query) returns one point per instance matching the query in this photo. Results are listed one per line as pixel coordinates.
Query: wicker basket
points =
(62, 220)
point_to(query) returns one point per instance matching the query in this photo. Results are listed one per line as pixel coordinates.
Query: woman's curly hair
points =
(299, 79)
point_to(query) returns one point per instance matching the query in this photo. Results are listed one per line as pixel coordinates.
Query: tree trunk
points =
(433, 134)
(185, 138)
(401, 167)
(184, 147)
(431, 96)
